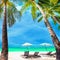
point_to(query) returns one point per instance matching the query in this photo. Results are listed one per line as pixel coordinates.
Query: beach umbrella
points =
(45, 44)
(26, 44)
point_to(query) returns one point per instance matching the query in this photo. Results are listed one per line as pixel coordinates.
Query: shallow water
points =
(21, 49)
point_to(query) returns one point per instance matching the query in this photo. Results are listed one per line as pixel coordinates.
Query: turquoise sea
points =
(40, 49)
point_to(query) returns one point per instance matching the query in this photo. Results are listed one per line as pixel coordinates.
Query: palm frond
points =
(57, 10)
(4, 1)
(24, 7)
(11, 19)
(11, 13)
(54, 21)
(44, 1)
(57, 19)
(58, 27)
(33, 11)
(24, 0)
(40, 19)
(54, 2)
(43, 5)
(38, 13)
(1, 9)
(12, 7)
(17, 15)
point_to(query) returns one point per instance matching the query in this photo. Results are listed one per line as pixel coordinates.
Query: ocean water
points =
(21, 49)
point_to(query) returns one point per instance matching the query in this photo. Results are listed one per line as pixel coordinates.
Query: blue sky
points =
(26, 30)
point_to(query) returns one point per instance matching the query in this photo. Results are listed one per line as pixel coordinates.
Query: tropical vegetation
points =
(8, 10)
(47, 9)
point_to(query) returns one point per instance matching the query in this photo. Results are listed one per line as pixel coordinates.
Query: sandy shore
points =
(18, 56)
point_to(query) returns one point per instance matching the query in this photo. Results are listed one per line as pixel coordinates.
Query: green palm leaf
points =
(11, 20)
(59, 27)
(54, 21)
(1, 9)
(57, 19)
(11, 13)
(33, 11)
(54, 2)
(12, 7)
(24, 7)
(40, 19)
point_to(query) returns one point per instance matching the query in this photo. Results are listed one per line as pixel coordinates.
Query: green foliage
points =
(40, 19)
(24, 0)
(51, 7)
(59, 27)
(54, 21)
(5, 1)
(44, 1)
(57, 9)
(11, 10)
(24, 7)
(11, 20)
(33, 11)
(29, 3)
(57, 18)
(54, 2)
(12, 7)
(38, 13)
(1, 9)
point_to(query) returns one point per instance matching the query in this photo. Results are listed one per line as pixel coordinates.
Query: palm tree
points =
(45, 16)
(8, 9)
(51, 9)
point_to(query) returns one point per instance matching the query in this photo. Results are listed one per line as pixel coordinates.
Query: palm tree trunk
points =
(4, 53)
(52, 33)
(57, 54)
(54, 39)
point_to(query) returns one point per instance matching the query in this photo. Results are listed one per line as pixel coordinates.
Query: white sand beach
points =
(18, 56)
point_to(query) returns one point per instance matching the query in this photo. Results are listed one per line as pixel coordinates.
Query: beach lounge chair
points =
(36, 54)
(53, 54)
(26, 54)
(48, 53)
